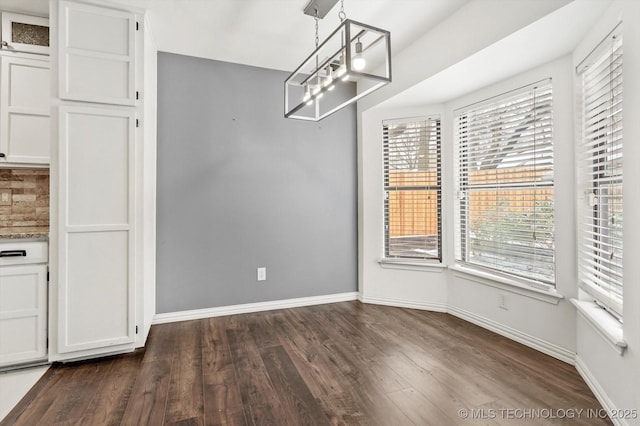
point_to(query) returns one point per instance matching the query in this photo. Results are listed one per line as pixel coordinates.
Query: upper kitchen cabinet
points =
(24, 110)
(22, 33)
(96, 54)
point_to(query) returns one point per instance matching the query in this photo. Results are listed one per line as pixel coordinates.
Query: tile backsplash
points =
(29, 197)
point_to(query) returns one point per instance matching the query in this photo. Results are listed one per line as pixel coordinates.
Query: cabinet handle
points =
(2, 155)
(13, 253)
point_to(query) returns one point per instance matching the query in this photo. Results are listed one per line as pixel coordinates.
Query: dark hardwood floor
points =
(344, 363)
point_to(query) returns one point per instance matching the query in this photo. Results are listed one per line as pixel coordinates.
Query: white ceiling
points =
(276, 34)
(549, 38)
(266, 33)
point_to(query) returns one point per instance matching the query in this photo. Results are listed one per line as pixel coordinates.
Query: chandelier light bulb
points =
(342, 69)
(359, 63)
(307, 93)
(328, 80)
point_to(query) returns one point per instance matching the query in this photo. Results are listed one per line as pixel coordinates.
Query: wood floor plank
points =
(316, 367)
(259, 399)
(185, 398)
(148, 398)
(218, 410)
(262, 330)
(222, 400)
(346, 363)
(297, 401)
(108, 405)
(83, 383)
(161, 342)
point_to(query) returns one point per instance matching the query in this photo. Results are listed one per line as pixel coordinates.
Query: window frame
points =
(593, 151)
(463, 189)
(388, 257)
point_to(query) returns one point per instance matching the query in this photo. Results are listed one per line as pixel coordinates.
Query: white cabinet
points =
(97, 54)
(96, 298)
(98, 193)
(23, 33)
(23, 303)
(24, 109)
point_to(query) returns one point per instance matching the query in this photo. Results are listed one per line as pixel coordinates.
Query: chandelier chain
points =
(341, 14)
(317, 19)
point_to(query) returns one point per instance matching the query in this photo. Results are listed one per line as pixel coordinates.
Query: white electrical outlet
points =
(5, 197)
(262, 274)
(502, 301)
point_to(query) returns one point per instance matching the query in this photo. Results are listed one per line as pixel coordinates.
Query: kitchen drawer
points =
(23, 252)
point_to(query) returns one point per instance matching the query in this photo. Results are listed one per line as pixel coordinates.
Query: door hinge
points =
(137, 95)
(137, 26)
(136, 329)
(137, 123)
(47, 276)
(47, 343)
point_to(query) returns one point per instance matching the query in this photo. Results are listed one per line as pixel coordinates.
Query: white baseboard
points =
(597, 390)
(533, 342)
(252, 307)
(402, 303)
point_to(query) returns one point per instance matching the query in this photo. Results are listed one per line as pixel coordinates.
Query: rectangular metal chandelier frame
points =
(352, 31)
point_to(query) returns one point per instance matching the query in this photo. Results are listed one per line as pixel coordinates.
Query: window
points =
(600, 151)
(504, 179)
(412, 206)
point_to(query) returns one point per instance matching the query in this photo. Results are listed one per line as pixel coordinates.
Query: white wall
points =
(617, 377)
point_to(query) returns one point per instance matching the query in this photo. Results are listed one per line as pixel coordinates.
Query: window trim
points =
(406, 262)
(512, 285)
(609, 328)
(487, 273)
(588, 174)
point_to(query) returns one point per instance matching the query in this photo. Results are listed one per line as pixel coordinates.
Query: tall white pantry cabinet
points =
(103, 180)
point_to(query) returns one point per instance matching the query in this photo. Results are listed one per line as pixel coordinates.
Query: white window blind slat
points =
(504, 182)
(412, 186)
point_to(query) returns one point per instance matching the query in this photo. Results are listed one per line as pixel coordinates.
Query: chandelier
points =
(352, 62)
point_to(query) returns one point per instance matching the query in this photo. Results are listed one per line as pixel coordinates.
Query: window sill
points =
(605, 324)
(412, 265)
(507, 284)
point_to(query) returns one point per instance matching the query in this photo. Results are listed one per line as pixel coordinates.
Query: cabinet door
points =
(23, 314)
(22, 33)
(97, 54)
(24, 110)
(96, 239)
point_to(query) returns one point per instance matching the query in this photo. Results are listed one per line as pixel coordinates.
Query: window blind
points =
(601, 156)
(412, 205)
(505, 183)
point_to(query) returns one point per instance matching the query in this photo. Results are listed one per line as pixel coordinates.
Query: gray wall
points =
(239, 187)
